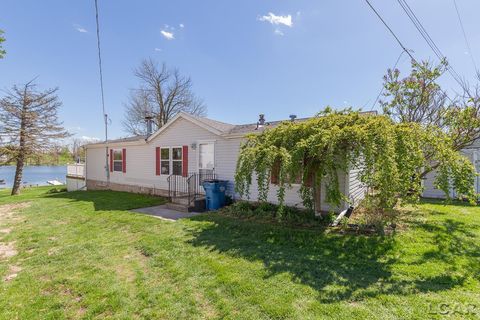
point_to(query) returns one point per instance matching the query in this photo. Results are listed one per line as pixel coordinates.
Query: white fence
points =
(76, 177)
(76, 170)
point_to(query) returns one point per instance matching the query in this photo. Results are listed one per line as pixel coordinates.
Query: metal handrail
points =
(189, 186)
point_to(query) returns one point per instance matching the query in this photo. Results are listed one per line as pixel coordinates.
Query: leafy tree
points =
(29, 121)
(2, 39)
(162, 94)
(419, 98)
(389, 155)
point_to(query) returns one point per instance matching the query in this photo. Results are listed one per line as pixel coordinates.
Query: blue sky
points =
(242, 59)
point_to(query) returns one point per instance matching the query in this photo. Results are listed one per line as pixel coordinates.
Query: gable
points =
(181, 132)
(185, 117)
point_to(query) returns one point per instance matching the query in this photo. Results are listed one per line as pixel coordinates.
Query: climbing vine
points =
(389, 156)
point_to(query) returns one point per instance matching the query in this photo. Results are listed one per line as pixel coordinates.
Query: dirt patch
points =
(126, 269)
(7, 250)
(206, 306)
(12, 273)
(7, 210)
(53, 251)
(6, 230)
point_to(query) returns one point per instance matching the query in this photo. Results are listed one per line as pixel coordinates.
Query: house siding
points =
(140, 159)
(429, 190)
(140, 175)
(356, 189)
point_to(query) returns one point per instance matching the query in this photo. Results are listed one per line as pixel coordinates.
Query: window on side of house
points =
(117, 160)
(177, 161)
(165, 161)
(274, 175)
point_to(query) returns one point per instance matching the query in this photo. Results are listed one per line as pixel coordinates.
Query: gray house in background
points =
(473, 154)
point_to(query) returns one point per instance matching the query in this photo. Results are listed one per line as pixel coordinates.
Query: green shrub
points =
(56, 190)
(269, 211)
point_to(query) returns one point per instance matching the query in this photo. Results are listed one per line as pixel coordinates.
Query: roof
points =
(217, 127)
(253, 127)
(128, 139)
(220, 126)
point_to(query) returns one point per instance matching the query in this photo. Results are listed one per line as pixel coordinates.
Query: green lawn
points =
(84, 255)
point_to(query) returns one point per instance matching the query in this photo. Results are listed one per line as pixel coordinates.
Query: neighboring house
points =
(175, 159)
(473, 154)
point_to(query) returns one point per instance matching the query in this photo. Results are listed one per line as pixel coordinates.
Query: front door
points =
(206, 161)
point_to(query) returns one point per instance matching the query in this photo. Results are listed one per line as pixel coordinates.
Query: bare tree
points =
(78, 148)
(162, 94)
(29, 121)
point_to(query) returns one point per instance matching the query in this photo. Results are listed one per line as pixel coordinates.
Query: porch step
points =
(180, 200)
(178, 207)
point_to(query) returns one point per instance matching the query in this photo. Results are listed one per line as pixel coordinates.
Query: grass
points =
(84, 255)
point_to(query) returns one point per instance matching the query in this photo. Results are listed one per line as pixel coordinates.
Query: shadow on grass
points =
(338, 267)
(110, 200)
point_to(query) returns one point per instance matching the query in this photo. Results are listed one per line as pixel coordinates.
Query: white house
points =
(473, 154)
(173, 161)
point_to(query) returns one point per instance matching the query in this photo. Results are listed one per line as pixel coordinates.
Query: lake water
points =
(33, 175)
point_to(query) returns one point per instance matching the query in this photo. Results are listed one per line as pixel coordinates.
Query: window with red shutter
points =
(124, 160)
(185, 161)
(111, 160)
(157, 161)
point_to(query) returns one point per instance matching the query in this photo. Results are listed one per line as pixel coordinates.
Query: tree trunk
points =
(18, 174)
(21, 154)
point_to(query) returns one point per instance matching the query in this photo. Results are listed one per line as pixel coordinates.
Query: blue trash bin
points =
(215, 193)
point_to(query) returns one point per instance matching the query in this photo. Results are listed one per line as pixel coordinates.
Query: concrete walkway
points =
(162, 212)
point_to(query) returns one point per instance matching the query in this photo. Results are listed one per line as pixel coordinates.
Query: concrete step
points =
(181, 200)
(178, 207)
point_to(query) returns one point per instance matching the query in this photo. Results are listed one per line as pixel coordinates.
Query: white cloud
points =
(167, 35)
(80, 29)
(87, 138)
(277, 20)
(278, 32)
(181, 25)
(76, 128)
(158, 49)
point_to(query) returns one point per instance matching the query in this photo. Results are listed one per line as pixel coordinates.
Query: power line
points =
(418, 25)
(99, 56)
(389, 29)
(470, 53)
(398, 40)
(105, 116)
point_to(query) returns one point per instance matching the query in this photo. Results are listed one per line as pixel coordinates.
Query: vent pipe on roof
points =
(261, 121)
(149, 121)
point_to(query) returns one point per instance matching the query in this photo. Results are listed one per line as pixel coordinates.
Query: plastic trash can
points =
(214, 193)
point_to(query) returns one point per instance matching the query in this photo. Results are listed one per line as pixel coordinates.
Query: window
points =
(177, 161)
(171, 161)
(275, 173)
(117, 160)
(165, 160)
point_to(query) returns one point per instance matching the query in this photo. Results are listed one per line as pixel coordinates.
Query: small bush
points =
(271, 212)
(370, 216)
(56, 190)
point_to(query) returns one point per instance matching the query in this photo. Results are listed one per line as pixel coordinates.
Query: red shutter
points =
(157, 161)
(185, 161)
(275, 172)
(124, 160)
(111, 160)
